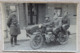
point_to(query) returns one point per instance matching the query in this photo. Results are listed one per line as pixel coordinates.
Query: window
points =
(59, 10)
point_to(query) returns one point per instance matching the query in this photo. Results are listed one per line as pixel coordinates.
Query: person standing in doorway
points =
(14, 29)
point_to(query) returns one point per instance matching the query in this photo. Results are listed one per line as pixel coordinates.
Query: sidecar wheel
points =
(62, 39)
(36, 41)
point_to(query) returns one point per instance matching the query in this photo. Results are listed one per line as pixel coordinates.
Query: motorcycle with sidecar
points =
(49, 32)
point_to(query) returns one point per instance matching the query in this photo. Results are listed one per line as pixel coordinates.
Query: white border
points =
(41, 50)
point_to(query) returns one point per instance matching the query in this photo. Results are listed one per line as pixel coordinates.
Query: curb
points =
(17, 40)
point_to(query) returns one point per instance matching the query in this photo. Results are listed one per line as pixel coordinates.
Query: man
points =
(61, 23)
(14, 29)
(47, 19)
(65, 21)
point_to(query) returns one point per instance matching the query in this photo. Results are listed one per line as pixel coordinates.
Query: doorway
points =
(32, 14)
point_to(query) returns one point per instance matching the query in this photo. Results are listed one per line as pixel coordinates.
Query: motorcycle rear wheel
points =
(62, 38)
(36, 41)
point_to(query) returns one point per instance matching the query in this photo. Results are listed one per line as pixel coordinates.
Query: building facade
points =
(30, 14)
(35, 13)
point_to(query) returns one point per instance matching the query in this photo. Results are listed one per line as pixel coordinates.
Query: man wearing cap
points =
(14, 29)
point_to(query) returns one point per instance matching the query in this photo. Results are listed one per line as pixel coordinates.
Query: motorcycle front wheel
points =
(62, 38)
(36, 41)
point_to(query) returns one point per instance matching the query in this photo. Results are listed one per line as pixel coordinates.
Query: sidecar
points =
(31, 29)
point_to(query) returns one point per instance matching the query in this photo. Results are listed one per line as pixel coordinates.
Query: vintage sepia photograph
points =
(40, 27)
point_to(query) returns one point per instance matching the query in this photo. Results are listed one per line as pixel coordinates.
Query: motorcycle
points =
(53, 31)
(48, 33)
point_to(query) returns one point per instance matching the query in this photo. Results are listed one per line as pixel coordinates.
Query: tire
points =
(62, 39)
(34, 41)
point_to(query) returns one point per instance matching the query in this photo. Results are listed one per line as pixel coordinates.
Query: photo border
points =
(77, 32)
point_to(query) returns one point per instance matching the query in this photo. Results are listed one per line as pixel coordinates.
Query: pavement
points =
(25, 43)
(23, 36)
(20, 37)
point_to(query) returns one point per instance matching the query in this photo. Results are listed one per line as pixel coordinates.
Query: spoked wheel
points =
(63, 38)
(36, 41)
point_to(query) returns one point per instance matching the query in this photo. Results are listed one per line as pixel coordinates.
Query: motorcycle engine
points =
(49, 37)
